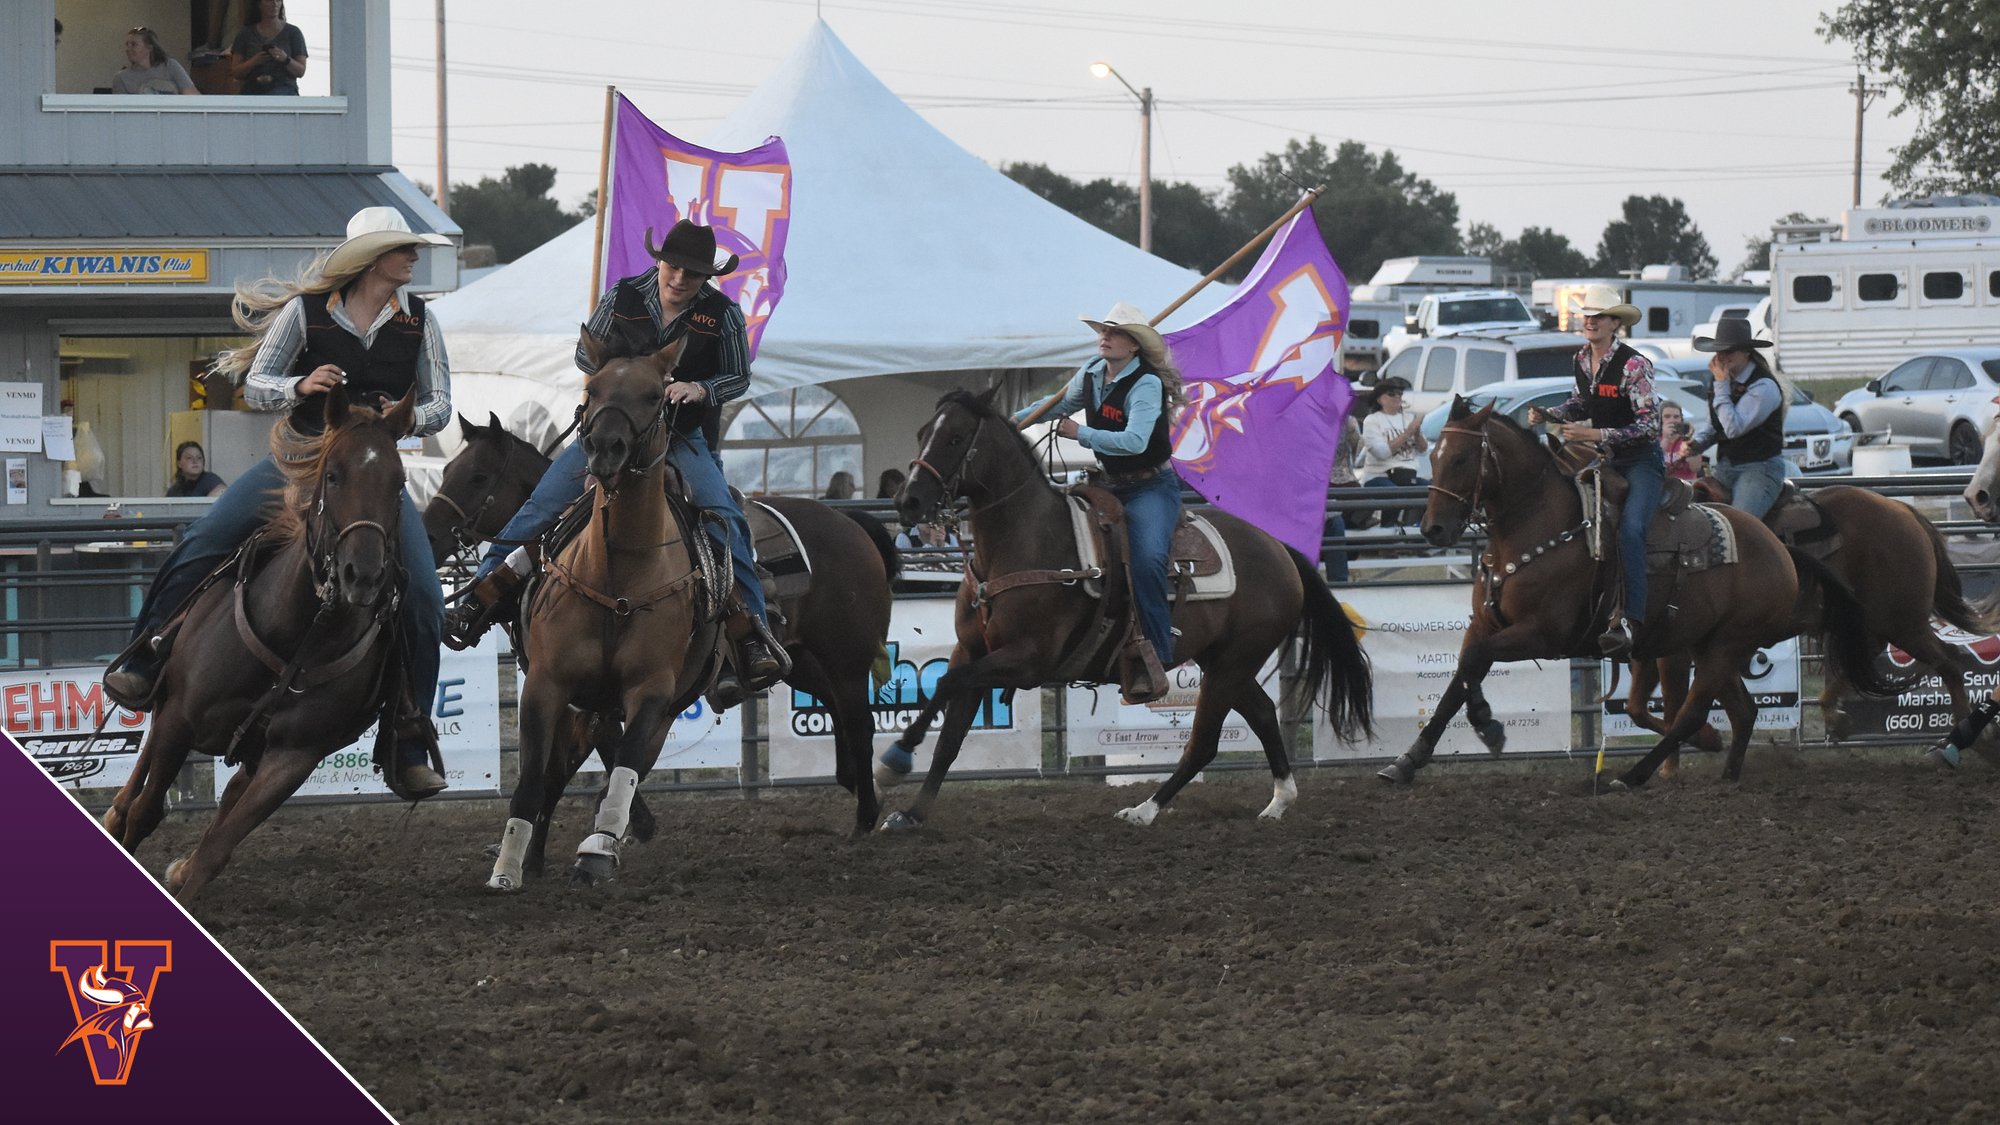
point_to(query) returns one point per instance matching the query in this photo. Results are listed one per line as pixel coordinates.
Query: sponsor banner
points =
(1773, 680)
(55, 713)
(1004, 736)
(1922, 711)
(102, 266)
(467, 714)
(700, 739)
(1099, 722)
(117, 1000)
(1412, 639)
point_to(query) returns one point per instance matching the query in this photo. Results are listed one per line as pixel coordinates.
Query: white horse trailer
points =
(1854, 302)
(1670, 306)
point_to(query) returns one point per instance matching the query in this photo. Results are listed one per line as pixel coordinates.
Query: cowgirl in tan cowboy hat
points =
(346, 323)
(1613, 406)
(1129, 392)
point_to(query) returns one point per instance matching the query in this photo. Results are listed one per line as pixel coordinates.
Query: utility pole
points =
(1146, 169)
(1862, 92)
(445, 173)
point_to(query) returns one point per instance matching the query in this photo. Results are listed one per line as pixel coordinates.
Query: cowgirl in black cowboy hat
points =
(1746, 417)
(638, 316)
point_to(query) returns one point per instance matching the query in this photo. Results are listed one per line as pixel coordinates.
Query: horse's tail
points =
(1334, 669)
(885, 544)
(1948, 592)
(1843, 633)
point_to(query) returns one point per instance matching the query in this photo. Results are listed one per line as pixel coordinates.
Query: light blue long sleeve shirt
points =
(1739, 415)
(1088, 387)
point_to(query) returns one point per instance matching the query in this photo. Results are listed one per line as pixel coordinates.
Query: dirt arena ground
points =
(1820, 943)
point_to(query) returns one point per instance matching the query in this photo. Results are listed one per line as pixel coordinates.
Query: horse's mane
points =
(302, 457)
(982, 409)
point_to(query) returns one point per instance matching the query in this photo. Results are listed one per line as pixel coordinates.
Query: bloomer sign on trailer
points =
(1412, 636)
(1923, 710)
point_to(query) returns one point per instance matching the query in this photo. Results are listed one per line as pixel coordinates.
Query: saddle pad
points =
(1687, 545)
(1198, 551)
(779, 551)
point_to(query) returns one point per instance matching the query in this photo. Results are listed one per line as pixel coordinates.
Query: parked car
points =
(1808, 446)
(1438, 367)
(1816, 440)
(1940, 403)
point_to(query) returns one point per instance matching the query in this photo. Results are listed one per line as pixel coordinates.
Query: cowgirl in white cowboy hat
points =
(1746, 417)
(346, 322)
(1613, 406)
(1129, 393)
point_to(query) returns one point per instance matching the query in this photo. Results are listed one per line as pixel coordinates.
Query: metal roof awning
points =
(204, 203)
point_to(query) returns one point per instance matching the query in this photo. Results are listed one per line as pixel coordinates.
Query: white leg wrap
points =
(1283, 793)
(616, 811)
(513, 852)
(1141, 814)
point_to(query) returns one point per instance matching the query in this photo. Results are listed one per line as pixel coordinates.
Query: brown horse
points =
(835, 629)
(1020, 639)
(624, 626)
(287, 663)
(1538, 594)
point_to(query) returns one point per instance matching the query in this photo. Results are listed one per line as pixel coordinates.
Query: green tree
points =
(1758, 250)
(1484, 240)
(1943, 58)
(1655, 230)
(1371, 209)
(1189, 227)
(1544, 253)
(514, 213)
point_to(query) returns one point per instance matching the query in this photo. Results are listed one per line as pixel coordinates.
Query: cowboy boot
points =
(494, 597)
(1145, 680)
(1962, 736)
(416, 745)
(1616, 643)
(764, 660)
(133, 684)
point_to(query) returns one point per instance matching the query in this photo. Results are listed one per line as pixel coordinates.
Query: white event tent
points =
(914, 268)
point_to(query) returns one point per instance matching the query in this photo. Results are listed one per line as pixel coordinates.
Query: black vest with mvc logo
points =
(1110, 415)
(389, 367)
(1610, 407)
(639, 334)
(1764, 442)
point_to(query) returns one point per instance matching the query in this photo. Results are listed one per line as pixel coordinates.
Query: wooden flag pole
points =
(603, 197)
(1262, 237)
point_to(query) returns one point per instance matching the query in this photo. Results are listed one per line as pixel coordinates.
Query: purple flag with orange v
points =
(1265, 395)
(657, 179)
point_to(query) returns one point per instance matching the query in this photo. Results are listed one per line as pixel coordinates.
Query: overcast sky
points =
(1545, 114)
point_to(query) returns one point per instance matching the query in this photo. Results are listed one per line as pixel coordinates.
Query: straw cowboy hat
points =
(1125, 317)
(690, 247)
(1732, 334)
(1603, 300)
(371, 233)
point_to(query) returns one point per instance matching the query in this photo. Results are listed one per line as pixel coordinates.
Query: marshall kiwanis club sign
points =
(102, 265)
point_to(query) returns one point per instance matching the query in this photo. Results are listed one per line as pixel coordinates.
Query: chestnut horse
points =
(288, 662)
(1021, 523)
(1538, 594)
(836, 628)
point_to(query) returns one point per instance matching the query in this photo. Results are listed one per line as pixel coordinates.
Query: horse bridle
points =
(462, 532)
(1473, 502)
(323, 564)
(947, 486)
(644, 436)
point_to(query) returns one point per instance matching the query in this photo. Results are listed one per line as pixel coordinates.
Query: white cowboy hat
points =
(1126, 317)
(371, 233)
(1603, 300)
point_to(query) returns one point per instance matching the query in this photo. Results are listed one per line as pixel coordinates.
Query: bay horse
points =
(1021, 523)
(836, 629)
(1537, 595)
(624, 626)
(288, 661)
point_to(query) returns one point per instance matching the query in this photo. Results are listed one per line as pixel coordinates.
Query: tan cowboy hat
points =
(1603, 300)
(371, 233)
(1125, 317)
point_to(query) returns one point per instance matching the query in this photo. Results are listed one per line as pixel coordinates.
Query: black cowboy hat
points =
(690, 247)
(1393, 385)
(1732, 334)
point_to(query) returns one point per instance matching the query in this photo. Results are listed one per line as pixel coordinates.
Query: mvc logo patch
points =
(110, 988)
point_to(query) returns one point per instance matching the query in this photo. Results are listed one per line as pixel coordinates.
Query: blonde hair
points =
(257, 304)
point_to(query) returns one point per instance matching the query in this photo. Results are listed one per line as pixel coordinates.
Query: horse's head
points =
(1464, 472)
(625, 411)
(948, 450)
(1983, 492)
(482, 487)
(347, 498)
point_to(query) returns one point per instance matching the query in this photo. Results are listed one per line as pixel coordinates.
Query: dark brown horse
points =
(1538, 594)
(286, 663)
(624, 626)
(1021, 524)
(835, 630)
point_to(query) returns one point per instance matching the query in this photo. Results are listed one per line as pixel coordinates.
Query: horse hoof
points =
(176, 875)
(1493, 733)
(1708, 740)
(1142, 814)
(900, 822)
(1620, 785)
(1944, 755)
(897, 760)
(505, 884)
(592, 870)
(1397, 772)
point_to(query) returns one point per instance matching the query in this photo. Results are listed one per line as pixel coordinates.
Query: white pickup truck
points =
(1448, 314)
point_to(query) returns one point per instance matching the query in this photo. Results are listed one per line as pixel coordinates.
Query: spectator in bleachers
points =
(191, 475)
(269, 55)
(148, 70)
(1391, 443)
(888, 484)
(840, 487)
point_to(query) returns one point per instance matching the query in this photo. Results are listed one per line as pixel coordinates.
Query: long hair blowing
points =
(256, 305)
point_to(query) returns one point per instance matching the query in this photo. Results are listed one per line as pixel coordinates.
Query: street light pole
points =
(1106, 70)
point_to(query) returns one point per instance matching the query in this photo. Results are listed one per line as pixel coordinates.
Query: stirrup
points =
(1616, 643)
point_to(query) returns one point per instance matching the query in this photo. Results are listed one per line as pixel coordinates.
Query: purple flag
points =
(1265, 396)
(657, 178)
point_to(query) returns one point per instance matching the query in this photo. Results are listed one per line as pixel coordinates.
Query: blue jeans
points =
(1753, 485)
(1645, 474)
(1152, 511)
(564, 481)
(246, 506)
(1394, 517)
(1334, 557)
